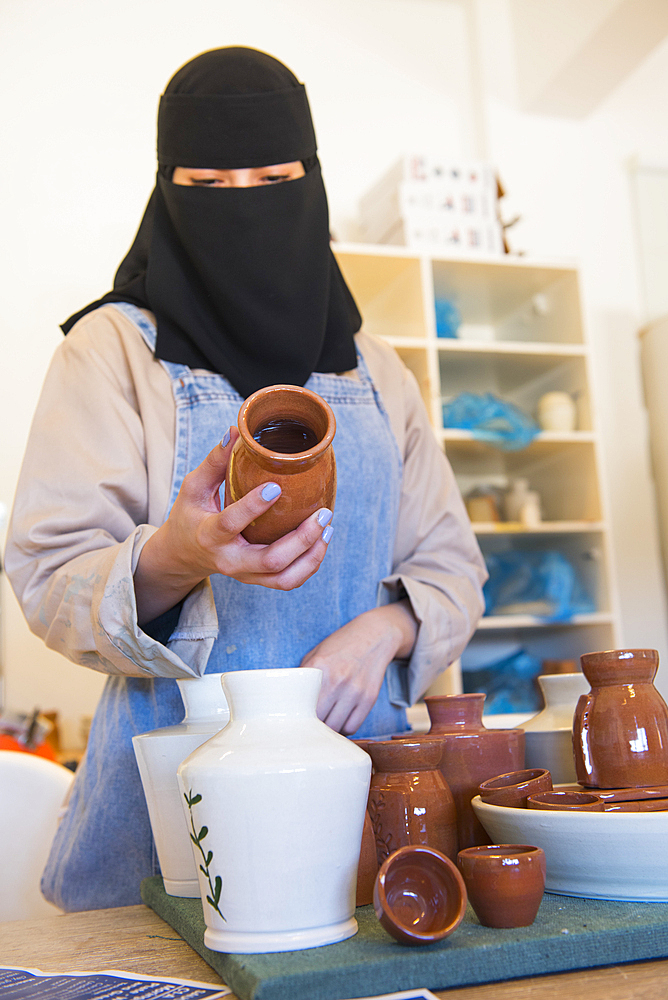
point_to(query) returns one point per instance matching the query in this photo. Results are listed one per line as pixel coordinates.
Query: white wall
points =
(80, 82)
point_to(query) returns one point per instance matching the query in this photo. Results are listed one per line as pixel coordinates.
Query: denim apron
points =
(104, 847)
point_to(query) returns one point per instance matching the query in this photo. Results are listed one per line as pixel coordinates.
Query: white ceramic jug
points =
(158, 754)
(549, 735)
(276, 806)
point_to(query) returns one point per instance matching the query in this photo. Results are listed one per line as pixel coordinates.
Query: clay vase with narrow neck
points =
(159, 754)
(549, 735)
(275, 805)
(285, 437)
(409, 801)
(620, 729)
(471, 754)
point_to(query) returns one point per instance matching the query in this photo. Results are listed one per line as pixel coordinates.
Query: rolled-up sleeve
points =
(103, 428)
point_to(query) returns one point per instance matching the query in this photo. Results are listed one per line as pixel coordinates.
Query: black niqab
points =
(242, 281)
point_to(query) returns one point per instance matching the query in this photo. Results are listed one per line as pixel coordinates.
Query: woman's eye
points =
(206, 181)
(275, 178)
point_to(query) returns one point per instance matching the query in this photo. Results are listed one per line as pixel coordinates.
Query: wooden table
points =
(135, 939)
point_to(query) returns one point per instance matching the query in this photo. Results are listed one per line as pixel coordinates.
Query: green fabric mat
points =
(568, 933)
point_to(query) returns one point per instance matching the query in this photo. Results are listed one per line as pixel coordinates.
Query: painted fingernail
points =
(226, 439)
(271, 491)
(324, 517)
(327, 533)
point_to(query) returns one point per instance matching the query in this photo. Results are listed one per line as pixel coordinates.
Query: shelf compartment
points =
(584, 550)
(520, 378)
(539, 303)
(389, 293)
(504, 623)
(514, 528)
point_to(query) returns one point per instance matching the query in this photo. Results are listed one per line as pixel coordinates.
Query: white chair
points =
(32, 792)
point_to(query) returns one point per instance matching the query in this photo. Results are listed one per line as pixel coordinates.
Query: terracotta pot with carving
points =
(409, 800)
(620, 729)
(285, 436)
(471, 754)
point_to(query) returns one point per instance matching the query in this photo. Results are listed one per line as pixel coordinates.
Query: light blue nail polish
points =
(327, 533)
(271, 491)
(324, 517)
(226, 439)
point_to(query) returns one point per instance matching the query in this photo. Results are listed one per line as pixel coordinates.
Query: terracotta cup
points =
(560, 800)
(285, 436)
(419, 896)
(409, 800)
(504, 882)
(368, 865)
(515, 788)
(471, 754)
(620, 729)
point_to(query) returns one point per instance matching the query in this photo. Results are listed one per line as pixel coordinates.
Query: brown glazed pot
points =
(471, 754)
(620, 729)
(296, 429)
(368, 865)
(504, 882)
(409, 801)
(512, 790)
(560, 800)
(419, 896)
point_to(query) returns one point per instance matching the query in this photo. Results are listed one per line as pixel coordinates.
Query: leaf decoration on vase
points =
(384, 845)
(215, 886)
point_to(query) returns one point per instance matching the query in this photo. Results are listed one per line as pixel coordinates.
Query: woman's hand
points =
(198, 538)
(354, 659)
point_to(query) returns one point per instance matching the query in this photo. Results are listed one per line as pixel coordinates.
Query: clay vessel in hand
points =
(471, 754)
(285, 437)
(512, 790)
(620, 729)
(504, 882)
(409, 801)
(419, 896)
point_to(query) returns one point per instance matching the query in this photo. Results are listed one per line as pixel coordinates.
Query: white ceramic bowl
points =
(598, 855)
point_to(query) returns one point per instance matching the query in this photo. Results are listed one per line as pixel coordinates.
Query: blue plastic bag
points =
(509, 683)
(543, 583)
(491, 419)
(448, 318)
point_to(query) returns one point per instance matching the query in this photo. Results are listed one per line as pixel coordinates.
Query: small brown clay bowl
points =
(505, 882)
(566, 800)
(419, 896)
(513, 789)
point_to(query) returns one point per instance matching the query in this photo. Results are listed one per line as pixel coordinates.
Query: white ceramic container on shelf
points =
(159, 754)
(549, 735)
(276, 806)
(597, 855)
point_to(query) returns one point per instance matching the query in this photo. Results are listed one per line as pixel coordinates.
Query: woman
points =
(119, 553)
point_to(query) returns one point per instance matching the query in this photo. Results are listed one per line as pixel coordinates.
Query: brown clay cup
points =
(298, 428)
(514, 789)
(560, 800)
(419, 896)
(504, 882)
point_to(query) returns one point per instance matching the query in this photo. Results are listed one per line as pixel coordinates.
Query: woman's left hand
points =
(354, 659)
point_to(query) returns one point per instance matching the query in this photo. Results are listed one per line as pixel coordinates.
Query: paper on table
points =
(33, 984)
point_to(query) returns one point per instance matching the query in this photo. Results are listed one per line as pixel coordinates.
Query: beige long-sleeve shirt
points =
(95, 485)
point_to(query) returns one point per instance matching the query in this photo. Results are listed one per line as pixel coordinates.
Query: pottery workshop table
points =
(135, 939)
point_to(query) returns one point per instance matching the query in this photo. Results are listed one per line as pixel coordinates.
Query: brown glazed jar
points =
(471, 754)
(409, 801)
(367, 868)
(285, 436)
(620, 729)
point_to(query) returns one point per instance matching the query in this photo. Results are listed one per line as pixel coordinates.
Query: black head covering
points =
(242, 281)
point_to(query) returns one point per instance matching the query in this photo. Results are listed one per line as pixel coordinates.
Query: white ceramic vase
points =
(549, 735)
(276, 806)
(158, 754)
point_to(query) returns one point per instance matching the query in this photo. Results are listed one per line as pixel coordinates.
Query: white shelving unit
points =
(521, 336)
